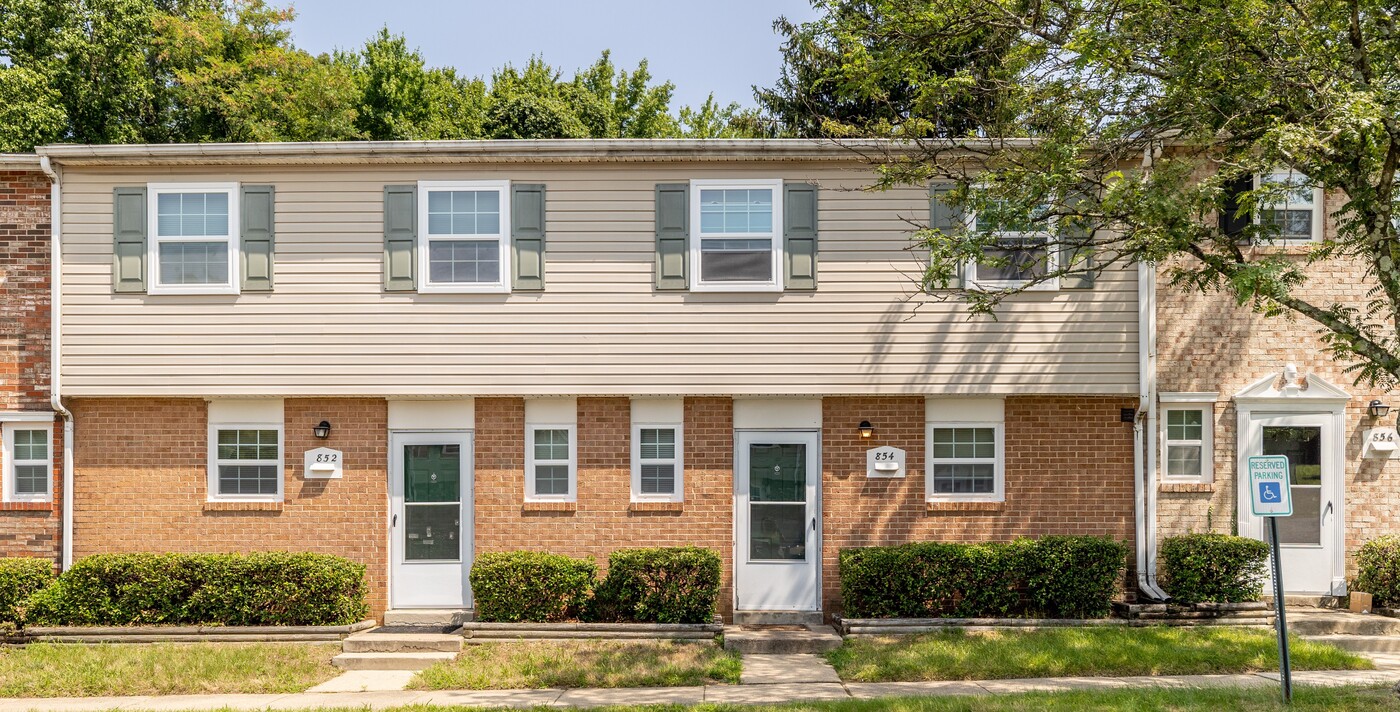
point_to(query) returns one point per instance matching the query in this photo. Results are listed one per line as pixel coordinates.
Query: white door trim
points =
(813, 439)
(467, 532)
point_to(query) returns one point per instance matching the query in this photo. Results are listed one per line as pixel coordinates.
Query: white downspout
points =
(55, 317)
(1145, 433)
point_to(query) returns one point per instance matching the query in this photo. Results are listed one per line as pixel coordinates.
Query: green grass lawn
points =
(68, 670)
(581, 664)
(1059, 652)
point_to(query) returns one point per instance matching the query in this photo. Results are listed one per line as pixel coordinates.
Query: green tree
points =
(1130, 127)
(30, 110)
(714, 121)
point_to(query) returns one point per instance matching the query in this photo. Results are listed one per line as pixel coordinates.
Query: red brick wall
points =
(141, 484)
(1069, 470)
(604, 519)
(27, 529)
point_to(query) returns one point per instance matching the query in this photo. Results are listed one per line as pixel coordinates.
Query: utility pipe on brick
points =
(55, 397)
(1145, 426)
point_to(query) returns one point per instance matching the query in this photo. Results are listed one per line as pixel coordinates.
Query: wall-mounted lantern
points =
(866, 429)
(322, 430)
(1377, 409)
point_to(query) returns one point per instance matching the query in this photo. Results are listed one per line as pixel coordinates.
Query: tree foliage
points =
(1124, 126)
(129, 71)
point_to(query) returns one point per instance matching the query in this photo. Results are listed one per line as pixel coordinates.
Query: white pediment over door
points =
(1289, 387)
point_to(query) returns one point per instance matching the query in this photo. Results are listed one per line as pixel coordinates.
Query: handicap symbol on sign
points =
(1270, 492)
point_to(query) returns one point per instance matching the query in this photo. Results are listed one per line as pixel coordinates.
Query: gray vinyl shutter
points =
(256, 225)
(527, 236)
(400, 238)
(1077, 255)
(672, 235)
(947, 218)
(129, 240)
(800, 236)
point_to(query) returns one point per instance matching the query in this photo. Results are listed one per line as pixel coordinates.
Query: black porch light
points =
(1377, 409)
(322, 430)
(866, 429)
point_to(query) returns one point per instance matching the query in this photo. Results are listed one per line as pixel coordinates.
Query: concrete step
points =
(402, 643)
(390, 661)
(813, 639)
(1340, 623)
(807, 618)
(1360, 643)
(440, 617)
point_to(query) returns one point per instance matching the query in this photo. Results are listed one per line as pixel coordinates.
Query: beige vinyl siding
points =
(598, 328)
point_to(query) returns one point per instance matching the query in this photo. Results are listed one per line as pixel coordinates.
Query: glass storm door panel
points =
(1303, 446)
(431, 498)
(777, 479)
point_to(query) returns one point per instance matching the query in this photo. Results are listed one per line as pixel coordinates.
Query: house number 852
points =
(327, 457)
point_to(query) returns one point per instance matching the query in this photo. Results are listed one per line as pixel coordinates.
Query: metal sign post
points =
(1271, 498)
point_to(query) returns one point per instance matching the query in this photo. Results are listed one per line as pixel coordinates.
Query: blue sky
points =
(724, 46)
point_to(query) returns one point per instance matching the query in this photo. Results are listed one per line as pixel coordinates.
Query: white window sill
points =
(186, 291)
(647, 499)
(29, 499)
(953, 500)
(464, 289)
(244, 500)
(997, 286)
(737, 287)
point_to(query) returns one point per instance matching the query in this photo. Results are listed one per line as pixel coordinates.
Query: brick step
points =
(402, 643)
(805, 618)
(390, 661)
(814, 639)
(1360, 643)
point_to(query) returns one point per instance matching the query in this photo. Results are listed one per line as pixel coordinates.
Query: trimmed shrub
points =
(930, 580)
(1073, 576)
(1214, 568)
(1054, 576)
(658, 585)
(515, 586)
(19, 578)
(272, 588)
(1378, 570)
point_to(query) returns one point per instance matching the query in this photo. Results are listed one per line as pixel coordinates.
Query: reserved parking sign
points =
(1269, 494)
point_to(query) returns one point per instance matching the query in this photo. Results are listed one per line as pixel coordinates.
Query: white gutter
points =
(55, 312)
(1145, 429)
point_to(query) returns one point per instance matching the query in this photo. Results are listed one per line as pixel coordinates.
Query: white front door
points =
(430, 492)
(777, 518)
(1310, 541)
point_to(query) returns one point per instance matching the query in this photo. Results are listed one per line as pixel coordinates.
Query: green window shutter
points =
(948, 218)
(129, 240)
(400, 238)
(672, 235)
(1076, 253)
(256, 225)
(527, 236)
(800, 236)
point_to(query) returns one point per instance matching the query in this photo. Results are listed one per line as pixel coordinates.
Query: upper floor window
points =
(464, 245)
(28, 462)
(1022, 252)
(738, 246)
(194, 248)
(1296, 216)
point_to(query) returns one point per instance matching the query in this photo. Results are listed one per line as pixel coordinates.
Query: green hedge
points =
(19, 578)
(272, 588)
(1378, 570)
(1058, 576)
(659, 585)
(531, 586)
(1216, 568)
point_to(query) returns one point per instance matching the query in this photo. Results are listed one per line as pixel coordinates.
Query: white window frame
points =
(697, 283)
(213, 455)
(154, 240)
(1052, 260)
(8, 454)
(1204, 405)
(1284, 174)
(530, 462)
(503, 238)
(998, 494)
(678, 495)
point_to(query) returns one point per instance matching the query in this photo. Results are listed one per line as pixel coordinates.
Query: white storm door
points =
(777, 519)
(430, 491)
(1309, 540)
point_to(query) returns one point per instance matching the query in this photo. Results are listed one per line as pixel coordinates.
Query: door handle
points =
(1327, 510)
(814, 523)
(395, 521)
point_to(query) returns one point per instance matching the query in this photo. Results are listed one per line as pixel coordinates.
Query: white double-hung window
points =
(1188, 425)
(1296, 215)
(551, 450)
(1022, 251)
(28, 460)
(657, 447)
(245, 451)
(464, 236)
(966, 450)
(736, 244)
(194, 238)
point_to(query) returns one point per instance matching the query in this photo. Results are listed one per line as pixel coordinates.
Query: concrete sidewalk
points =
(733, 694)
